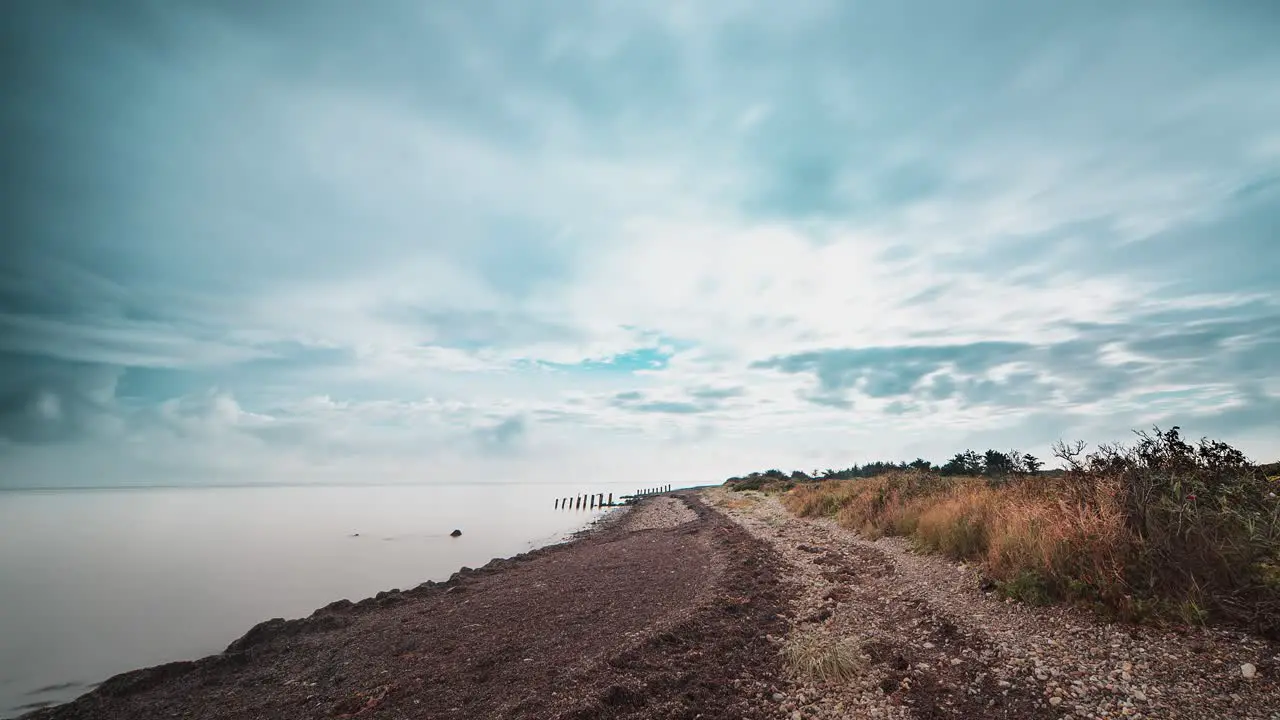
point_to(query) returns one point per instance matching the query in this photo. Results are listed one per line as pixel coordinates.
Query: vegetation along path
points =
(879, 631)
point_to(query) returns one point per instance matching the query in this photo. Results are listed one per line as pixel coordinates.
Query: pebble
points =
(1089, 670)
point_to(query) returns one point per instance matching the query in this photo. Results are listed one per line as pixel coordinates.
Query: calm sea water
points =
(98, 582)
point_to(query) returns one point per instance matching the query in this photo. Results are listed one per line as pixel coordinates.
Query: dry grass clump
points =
(1163, 529)
(815, 656)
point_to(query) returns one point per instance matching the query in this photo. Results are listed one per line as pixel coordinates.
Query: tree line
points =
(992, 463)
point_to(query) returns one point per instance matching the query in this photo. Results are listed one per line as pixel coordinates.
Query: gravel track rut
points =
(936, 645)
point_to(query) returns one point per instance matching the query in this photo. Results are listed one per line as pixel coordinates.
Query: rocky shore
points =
(712, 605)
(662, 613)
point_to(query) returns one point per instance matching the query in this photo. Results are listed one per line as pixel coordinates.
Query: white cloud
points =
(381, 257)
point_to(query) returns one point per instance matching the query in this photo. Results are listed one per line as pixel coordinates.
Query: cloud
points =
(717, 393)
(692, 401)
(742, 226)
(51, 401)
(505, 436)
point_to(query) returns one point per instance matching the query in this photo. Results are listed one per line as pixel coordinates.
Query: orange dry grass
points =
(1077, 541)
(1072, 540)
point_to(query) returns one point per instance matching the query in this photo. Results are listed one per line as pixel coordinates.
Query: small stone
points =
(1248, 671)
(929, 646)
(1004, 683)
(455, 533)
(779, 697)
(1138, 695)
(1055, 701)
(955, 661)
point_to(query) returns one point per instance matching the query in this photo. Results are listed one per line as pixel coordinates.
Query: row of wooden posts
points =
(654, 491)
(595, 500)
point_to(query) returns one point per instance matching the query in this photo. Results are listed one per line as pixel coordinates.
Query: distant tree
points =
(996, 464)
(965, 463)
(1070, 455)
(775, 474)
(1031, 464)
(799, 476)
(920, 464)
(954, 466)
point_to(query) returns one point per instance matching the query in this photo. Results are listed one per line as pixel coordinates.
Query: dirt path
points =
(935, 645)
(662, 615)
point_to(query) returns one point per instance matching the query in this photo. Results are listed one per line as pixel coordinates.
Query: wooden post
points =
(557, 502)
(601, 503)
(610, 499)
(591, 503)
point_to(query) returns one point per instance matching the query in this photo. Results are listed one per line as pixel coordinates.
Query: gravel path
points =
(661, 512)
(936, 645)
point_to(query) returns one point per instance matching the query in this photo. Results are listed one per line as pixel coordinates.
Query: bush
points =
(815, 656)
(762, 483)
(1162, 529)
(1203, 524)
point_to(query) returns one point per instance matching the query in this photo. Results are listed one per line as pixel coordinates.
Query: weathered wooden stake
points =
(610, 499)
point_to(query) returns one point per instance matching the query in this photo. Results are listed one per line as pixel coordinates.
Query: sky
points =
(423, 241)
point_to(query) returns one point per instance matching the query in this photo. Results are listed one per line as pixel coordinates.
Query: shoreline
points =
(596, 525)
(539, 634)
(52, 656)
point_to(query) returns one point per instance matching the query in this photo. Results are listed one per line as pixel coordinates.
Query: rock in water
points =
(455, 533)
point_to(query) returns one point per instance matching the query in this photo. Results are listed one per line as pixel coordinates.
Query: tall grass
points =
(1161, 529)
